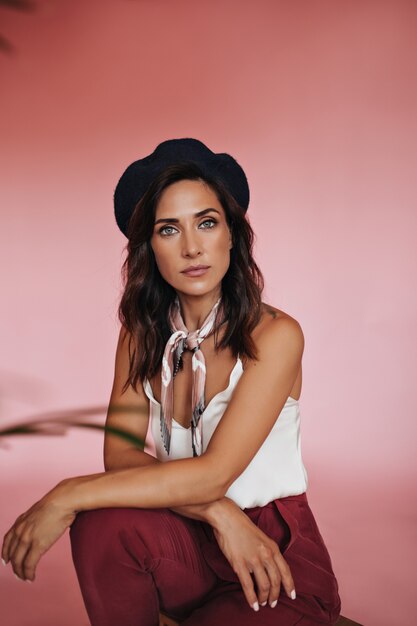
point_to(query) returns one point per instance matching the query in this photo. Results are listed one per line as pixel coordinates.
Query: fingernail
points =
(28, 581)
(16, 576)
(263, 603)
(4, 562)
(255, 606)
(273, 604)
(293, 594)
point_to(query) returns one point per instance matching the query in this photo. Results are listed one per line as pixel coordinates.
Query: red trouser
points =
(131, 563)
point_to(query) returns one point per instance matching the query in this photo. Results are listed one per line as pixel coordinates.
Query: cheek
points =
(222, 253)
(222, 245)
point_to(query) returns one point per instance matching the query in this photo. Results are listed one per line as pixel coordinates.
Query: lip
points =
(196, 270)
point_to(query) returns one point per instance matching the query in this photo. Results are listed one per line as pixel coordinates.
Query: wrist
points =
(219, 511)
(65, 494)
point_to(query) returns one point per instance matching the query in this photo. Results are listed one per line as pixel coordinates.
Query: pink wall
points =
(317, 101)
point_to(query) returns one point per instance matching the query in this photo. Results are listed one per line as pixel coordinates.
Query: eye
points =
(163, 229)
(211, 221)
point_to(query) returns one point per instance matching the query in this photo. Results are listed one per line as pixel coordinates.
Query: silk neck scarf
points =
(180, 340)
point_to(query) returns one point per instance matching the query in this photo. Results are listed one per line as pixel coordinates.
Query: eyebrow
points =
(174, 219)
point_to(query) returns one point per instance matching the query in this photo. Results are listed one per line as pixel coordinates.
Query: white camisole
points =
(277, 469)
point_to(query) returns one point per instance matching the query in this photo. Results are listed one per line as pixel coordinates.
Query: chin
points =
(197, 289)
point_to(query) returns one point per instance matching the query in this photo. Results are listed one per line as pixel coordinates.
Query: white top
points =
(275, 471)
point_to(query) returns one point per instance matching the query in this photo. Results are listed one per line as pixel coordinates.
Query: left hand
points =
(35, 531)
(250, 551)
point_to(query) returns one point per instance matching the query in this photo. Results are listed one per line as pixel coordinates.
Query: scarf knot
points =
(192, 341)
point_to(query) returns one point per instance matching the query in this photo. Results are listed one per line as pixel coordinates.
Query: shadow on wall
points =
(59, 422)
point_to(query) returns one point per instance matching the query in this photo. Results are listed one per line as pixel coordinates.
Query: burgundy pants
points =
(132, 563)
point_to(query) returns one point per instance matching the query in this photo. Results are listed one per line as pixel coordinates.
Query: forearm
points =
(208, 512)
(175, 483)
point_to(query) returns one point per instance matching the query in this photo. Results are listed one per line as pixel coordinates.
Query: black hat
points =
(136, 179)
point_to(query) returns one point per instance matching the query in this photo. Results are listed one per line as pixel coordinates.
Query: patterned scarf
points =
(180, 340)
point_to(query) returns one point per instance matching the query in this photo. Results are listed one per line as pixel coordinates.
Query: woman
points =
(211, 522)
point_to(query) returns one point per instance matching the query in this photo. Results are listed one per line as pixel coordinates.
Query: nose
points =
(191, 244)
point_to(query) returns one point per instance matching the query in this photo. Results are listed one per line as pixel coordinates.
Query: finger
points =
(247, 586)
(274, 575)
(30, 562)
(10, 536)
(18, 556)
(262, 583)
(12, 547)
(286, 577)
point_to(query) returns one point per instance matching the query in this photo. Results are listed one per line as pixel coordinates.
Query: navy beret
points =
(137, 177)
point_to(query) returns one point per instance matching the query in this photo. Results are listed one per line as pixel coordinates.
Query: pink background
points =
(317, 100)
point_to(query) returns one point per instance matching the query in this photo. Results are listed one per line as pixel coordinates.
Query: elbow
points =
(223, 483)
(216, 479)
(223, 487)
(211, 492)
(218, 491)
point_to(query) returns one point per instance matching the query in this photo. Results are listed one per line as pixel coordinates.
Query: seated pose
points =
(209, 522)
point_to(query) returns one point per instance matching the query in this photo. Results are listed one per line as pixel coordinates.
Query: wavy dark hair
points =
(143, 309)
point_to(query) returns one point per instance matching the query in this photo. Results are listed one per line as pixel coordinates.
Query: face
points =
(191, 229)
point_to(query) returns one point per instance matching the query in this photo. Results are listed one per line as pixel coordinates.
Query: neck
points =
(194, 309)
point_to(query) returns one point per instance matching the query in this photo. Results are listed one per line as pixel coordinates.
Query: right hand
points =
(250, 551)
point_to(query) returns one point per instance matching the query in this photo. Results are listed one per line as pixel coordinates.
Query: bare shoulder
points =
(277, 330)
(270, 312)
